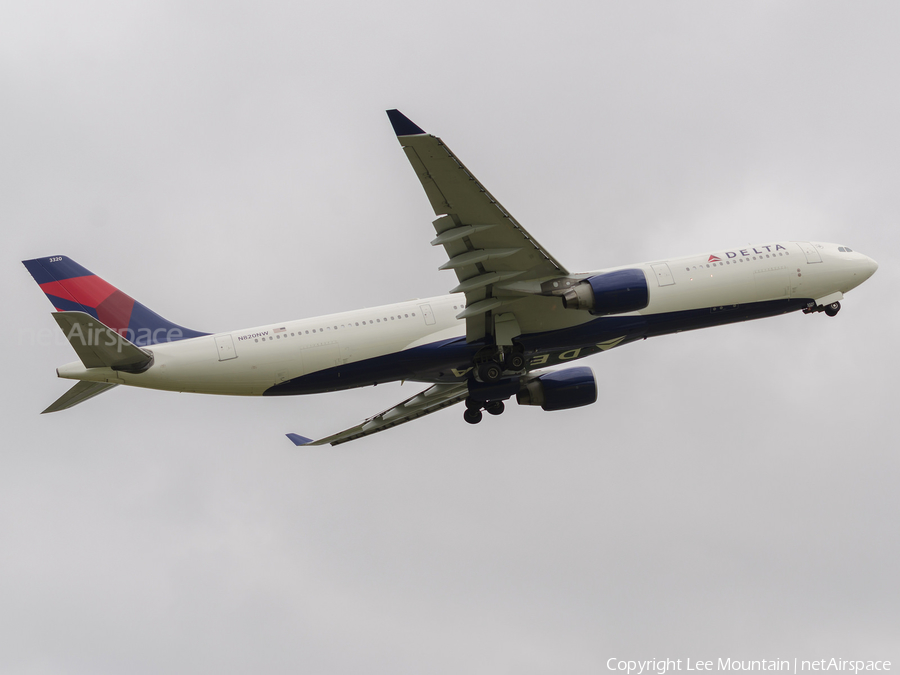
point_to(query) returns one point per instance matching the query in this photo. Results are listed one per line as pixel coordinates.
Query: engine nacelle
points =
(560, 389)
(611, 293)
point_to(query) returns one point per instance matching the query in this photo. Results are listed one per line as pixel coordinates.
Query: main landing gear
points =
(830, 309)
(473, 414)
(493, 362)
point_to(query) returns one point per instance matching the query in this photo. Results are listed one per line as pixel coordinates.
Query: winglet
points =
(297, 439)
(403, 126)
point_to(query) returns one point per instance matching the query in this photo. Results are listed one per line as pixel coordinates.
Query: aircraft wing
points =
(436, 397)
(485, 245)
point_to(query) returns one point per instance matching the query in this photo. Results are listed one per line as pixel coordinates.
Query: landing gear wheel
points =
(833, 308)
(472, 415)
(517, 362)
(495, 407)
(490, 372)
(472, 404)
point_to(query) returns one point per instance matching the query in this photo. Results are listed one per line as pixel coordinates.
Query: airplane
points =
(509, 328)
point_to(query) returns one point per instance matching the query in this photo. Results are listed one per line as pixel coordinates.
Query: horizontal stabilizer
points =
(80, 393)
(99, 346)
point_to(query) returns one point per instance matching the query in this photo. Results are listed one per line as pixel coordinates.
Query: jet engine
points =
(611, 293)
(559, 389)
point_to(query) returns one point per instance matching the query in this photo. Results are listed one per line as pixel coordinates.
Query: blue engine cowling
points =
(560, 389)
(611, 293)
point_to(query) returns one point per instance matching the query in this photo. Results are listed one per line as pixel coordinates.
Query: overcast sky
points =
(733, 493)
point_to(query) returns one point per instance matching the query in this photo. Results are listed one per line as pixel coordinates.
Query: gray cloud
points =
(731, 494)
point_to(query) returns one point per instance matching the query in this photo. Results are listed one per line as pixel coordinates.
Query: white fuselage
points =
(250, 361)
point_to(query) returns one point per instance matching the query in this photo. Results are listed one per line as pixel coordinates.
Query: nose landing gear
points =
(831, 309)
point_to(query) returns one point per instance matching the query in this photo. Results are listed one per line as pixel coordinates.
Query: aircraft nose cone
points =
(869, 267)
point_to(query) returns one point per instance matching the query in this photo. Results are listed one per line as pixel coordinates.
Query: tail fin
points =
(70, 287)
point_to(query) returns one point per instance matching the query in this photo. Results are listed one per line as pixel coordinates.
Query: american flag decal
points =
(279, 330)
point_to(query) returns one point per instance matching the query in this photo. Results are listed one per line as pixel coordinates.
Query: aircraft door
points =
(663, 274)
(427, 314)
(225, 347)
(810, 251)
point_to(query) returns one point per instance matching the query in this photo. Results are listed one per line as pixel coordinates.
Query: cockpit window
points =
(845, 249)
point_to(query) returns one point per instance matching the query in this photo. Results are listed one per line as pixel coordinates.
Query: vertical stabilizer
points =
(71, 287)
